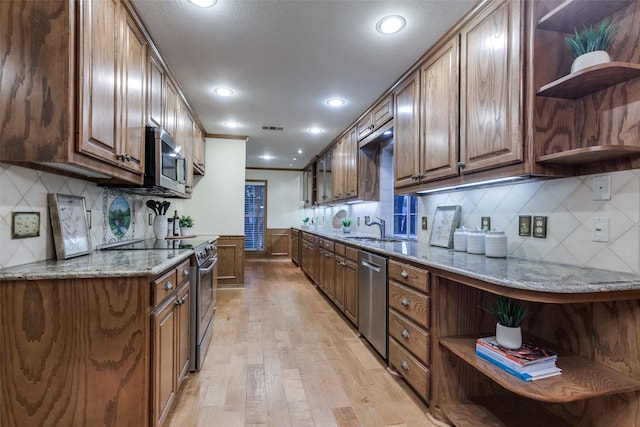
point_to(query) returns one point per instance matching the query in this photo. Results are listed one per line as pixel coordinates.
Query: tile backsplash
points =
(23, 189)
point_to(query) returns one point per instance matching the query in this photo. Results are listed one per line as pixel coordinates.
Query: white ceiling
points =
(284, 58)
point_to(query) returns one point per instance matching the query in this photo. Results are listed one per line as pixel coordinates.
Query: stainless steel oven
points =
(203, 288)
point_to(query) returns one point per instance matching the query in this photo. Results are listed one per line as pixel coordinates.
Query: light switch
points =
(485, 223)
(524, 225)
(424, 223)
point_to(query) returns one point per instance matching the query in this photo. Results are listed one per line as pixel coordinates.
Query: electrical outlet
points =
(358, 221)
(150, 219)
(524, 225)
(540, 226)
(485, 223)
(367, 219)
(424, 223)
(600, 230)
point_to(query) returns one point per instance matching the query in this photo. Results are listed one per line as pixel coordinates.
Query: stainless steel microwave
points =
(165, 164)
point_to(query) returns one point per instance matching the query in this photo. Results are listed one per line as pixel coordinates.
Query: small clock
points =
(25, 224)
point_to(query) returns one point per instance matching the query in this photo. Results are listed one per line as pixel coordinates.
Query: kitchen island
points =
(590, 316)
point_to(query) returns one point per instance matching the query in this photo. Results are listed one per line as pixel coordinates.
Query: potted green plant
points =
(305, 222)
(346, 225)
(590, 45)
(510, 313)
(185, 223)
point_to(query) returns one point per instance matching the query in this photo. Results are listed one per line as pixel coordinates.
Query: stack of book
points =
(529, 363)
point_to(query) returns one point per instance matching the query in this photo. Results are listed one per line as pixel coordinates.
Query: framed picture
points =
(69, 224)
(445, 222)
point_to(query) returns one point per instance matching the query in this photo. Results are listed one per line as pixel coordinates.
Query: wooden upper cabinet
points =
(198, 150)
(439, 113)
(350, 164)
(99, 78)
(380, 114)
(491, 84)
(132, 106)
(155, 90)
(171, 108)
(406, 147)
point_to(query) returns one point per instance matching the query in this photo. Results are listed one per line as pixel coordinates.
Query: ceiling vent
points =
(275, 128)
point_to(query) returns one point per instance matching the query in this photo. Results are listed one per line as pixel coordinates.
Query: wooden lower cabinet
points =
(410, 325)
(351, 286)
(295, 246)
(230, 260)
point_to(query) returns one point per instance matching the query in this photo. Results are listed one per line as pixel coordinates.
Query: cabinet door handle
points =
(404, 274)
(185, 272)
(405, 333)
(127, 157)
(461, 165)
(179, 302)
(404, 365)
(168, 286)
(405, 301)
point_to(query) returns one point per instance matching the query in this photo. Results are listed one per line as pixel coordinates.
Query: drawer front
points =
(352, 254)
(164, 286)
(414, 372)
(328, 245)
(409, 303)
(340, 249)
(295, 232)
(409, 275)
(183, 272)
(410, 336)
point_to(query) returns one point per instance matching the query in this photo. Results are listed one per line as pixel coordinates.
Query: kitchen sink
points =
(373, 239)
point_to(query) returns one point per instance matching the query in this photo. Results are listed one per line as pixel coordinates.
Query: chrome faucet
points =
(380, 225)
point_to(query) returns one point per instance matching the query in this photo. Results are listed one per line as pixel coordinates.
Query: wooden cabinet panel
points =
(132, 100)
(328, 272)
(170, 108)
(99, 78)
(351, 291)
(439, 99)
(410, 303)
(230, 260)
(164, 286)
(183, 332)
(155, 91)
(416, 374)
(198, 150)
(490, 88)
(410, 336)
(295, 246)
(164, 360)
(339, 280)
(278, 241)
(408, 274)
(406, 147)
(382, 113)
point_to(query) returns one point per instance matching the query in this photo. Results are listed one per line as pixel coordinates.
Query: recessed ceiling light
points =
(223, 91)
(315, 130)
(231, 124)
(290, 164)
(299, 151)
(390, 24)
(203, 3)
(336, 102)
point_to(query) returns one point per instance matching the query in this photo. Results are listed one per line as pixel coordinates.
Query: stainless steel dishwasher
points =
(372, 300)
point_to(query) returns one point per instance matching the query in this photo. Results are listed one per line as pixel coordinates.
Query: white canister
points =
(475, 241)
(460, 239)
(495, 244)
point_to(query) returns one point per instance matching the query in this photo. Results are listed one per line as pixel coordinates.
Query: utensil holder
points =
(160, 226)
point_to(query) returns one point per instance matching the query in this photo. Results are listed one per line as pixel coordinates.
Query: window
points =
(254, 215)
(405, 213)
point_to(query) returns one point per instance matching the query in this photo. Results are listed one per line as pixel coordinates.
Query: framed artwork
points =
(69, 223)
(445, 222)
(119, 216)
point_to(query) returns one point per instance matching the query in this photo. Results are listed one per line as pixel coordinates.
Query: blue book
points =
(523, 376)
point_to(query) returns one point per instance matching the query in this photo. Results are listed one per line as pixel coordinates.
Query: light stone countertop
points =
(512, 272)
(122, 263)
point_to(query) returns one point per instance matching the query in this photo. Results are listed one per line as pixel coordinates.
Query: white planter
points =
(346, 229)
(509, 337)
(185, 231)
(160, 226)
(590, 59)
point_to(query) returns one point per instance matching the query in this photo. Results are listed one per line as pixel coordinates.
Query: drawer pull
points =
(185, 272)
(404, 365)
(405, 301)
(405, 333)
(179, 302)
(404, 274)
(168, 286)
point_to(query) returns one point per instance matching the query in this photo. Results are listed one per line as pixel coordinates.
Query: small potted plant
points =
(346, 225)
(510, 313)
(185, 223)
(591, 44)
(305, 223)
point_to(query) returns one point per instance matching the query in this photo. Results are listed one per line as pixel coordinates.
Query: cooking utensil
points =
(165, 207)
(151, 204)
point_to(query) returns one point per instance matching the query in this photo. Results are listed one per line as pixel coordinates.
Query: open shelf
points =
(498, 411)
(581, 378)
(576, 13)
(597, 153)
(590, 80)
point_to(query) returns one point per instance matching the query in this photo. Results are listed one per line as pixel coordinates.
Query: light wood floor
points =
(281, 355)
